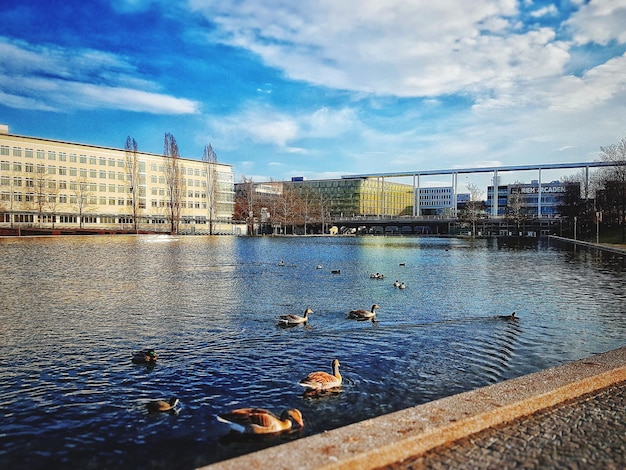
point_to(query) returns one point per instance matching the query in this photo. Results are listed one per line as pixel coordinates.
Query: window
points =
(17, 182)
(111, 188)
(111, 175)
(17, 151)
(102, 161)
(52, 170)
(62, 184)
(52, 155)
(103, 188)
(29, 182)
(73, 158)
(63, 170)
(102, 174)
(93, 173)
(62, 156)
(83, 172)
(83, 158)
(28, 153)
(92, 160)
(41, 154)
(120, 176)
(5, 166)
(111, 161)
(73, 172)
(4, 150)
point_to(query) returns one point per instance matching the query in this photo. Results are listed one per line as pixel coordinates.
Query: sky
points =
(322, 88)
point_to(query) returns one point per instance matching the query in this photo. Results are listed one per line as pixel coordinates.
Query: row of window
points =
(91, 219)
(5, 150)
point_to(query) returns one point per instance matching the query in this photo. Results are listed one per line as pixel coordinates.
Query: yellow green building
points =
(365, 197)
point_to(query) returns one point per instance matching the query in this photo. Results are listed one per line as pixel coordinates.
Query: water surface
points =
(73, 309)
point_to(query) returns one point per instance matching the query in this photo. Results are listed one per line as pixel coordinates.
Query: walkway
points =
(585, 433)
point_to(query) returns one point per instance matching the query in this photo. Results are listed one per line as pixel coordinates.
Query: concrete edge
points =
(408, 433)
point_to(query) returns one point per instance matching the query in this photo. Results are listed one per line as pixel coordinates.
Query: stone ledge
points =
(408, 433)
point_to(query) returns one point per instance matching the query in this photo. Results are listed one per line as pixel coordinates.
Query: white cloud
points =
(599, 22)
(56, 79)
(396, 47)
(266, 125)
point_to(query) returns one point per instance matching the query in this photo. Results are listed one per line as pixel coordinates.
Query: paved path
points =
(585, 433)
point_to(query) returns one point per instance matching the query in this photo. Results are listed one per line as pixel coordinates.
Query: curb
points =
(409, 433)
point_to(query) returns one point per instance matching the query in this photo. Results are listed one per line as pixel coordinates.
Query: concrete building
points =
(50, 183)
(439, 201)
(532, 200)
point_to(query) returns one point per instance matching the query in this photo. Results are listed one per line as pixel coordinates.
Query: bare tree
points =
(475, 207)
(132, 177)
(175, 184)
(210, 159)
(246, 203)
(614, 182)
(81, 192)
(515, 208)
(40, 188)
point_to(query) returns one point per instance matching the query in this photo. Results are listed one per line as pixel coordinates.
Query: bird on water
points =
(261, 421)
(363, 314)
(323, 380)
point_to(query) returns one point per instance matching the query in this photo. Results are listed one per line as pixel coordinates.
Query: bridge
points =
(416, 175)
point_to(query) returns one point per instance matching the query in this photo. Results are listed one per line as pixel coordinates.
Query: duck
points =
(281, 263)
(323, 380)
(396, 283)
(363, 314)
(319, 266)
(162, 405)
(292, 319)
(402, 285)
(146, 356)
(261, 421)
(509, 317)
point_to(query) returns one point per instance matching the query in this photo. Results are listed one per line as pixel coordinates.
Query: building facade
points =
(365, 197)
(439, 201)
(531, 199)
(49, 183)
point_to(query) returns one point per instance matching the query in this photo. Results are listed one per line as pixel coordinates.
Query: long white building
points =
(54, 184)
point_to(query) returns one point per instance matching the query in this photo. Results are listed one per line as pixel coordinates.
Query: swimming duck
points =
(323, 380)
(363, 314)
(292, 319)
(281, 263)
(147, 356)
(509, 317)
(260, 421)
(396, 283)
(162, 405)
(402, 285)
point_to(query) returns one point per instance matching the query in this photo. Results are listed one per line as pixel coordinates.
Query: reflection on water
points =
(74, 309)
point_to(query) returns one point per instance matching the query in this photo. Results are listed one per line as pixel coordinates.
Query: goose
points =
(260, 421)
(363, 314)
(323, 380)
(162, 405)
(292, 319)
(147, 356)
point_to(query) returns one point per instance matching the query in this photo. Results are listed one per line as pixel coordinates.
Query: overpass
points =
(495, 170)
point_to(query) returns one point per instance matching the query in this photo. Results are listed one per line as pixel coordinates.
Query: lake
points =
(73, 310)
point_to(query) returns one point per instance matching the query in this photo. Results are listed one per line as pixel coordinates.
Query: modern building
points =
(50, 183)
(439, 201)
(531, 200)
(361, 196)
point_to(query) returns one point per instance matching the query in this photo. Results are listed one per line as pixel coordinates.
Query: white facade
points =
(48, 183)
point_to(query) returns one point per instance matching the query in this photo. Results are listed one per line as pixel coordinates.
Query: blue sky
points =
(321, 88)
